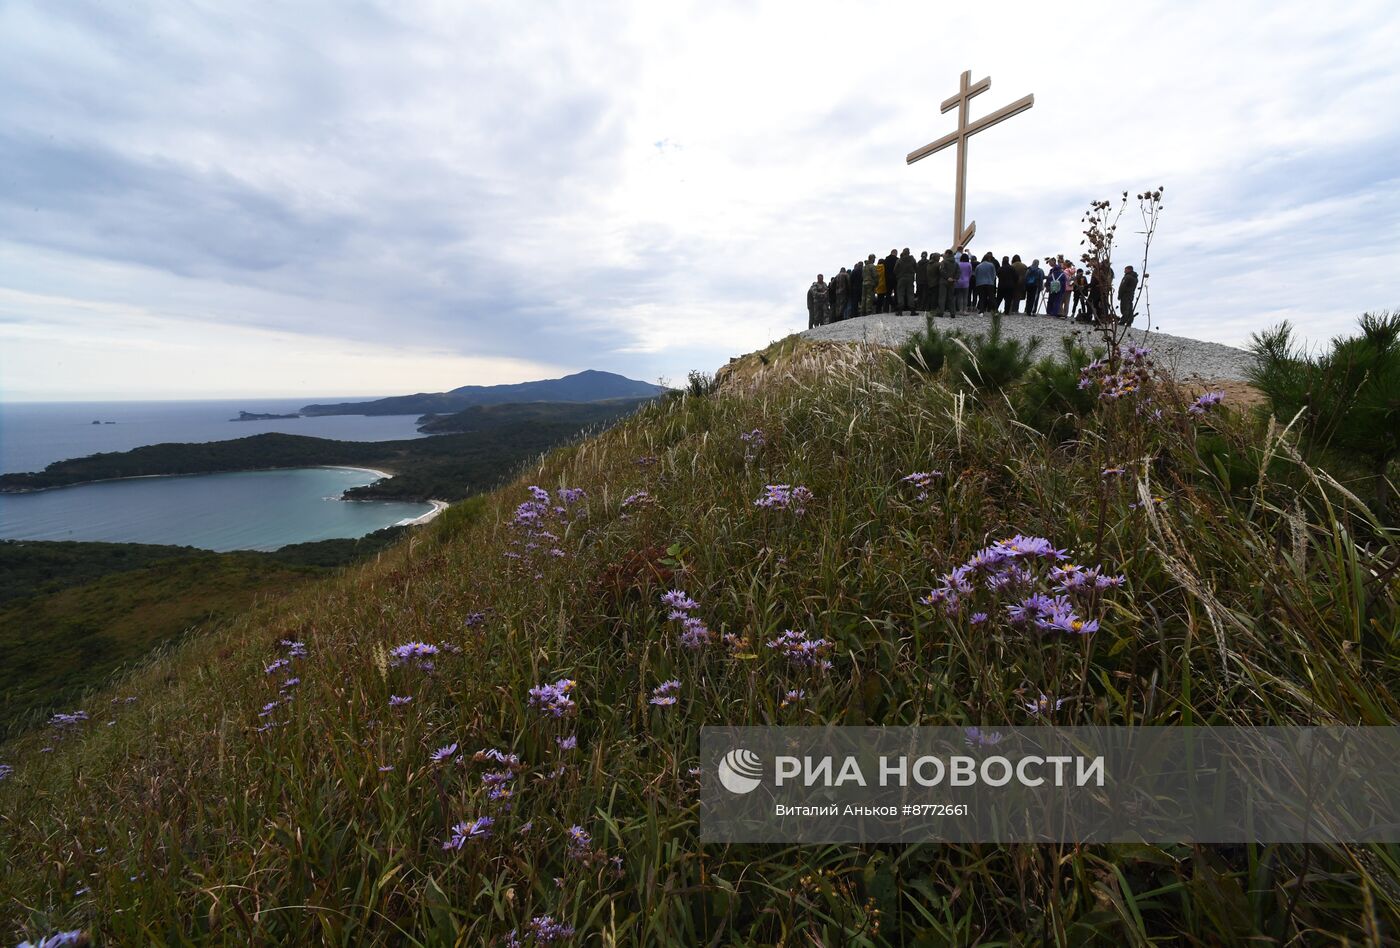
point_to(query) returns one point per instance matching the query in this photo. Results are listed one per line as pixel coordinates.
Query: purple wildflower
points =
(541, 930)
(977, 618)
(289, 684)
(386, 768)
(976, 737)
(801, 650)
(398, 701)
(694, 632)
(1044, 704)
(568, 743)
(6, 771)
(492, 755)
(921, 481)
(638, 499)
(480, 828)
(276, 666)
(754, 442)
(554, 699)
(294, 649)
(1112, 472)
(579, 841)
(1205, 402)
(664, 694)
(678, 601)
(785, 497)
(443, 753)
(474, 619)
(414, 653)
(58, 940)
(795, 696)
(63, 722)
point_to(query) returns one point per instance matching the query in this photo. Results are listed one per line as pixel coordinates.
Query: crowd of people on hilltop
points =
(957, 283)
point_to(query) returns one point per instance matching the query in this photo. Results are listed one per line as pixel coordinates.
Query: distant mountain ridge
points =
(587, 386)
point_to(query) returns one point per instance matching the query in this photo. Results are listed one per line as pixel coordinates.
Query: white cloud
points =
(650, 187)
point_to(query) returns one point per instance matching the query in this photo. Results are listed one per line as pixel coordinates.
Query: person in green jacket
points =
(947, 281)
(1127, 291)
(871, 279)
(905, 269)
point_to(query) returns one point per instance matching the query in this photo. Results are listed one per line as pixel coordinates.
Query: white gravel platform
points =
(1184, 357)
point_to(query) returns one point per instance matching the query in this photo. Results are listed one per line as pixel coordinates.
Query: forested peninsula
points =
(488, 444)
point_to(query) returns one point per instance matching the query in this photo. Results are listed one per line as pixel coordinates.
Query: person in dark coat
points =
(1035, 281)
(857, 287)
(905, 270)
(891, 265)
(1020, 291)
(1127, 293)
(840, 284)
(1055, 291)
(1006, 285)
(818, 303)
(921, 278)
(948, 272)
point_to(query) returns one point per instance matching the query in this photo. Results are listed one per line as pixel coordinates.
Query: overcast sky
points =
(239, 199)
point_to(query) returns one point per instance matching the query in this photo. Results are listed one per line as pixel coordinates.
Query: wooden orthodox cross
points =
(964, 131)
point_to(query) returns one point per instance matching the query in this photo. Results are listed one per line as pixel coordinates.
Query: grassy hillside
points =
(72, 613)
(253, 793)
(53, 646)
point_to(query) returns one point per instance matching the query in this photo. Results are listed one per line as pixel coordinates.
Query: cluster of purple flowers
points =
(554, 699)
(580, 841)
(664, 694)
(637, 501)
(294, 649)
(1044, 704)
(70, 939)
(694, 632)
(541, 930)
(535, 521)
(922, 481)
(1134, 371)
(1048, 596)
(480, 828)
(498, 782)
(1205, 402)
(754, 443)
(63, 721)
(785, 497)
(976, 737)
(417, 654)
(801, 650)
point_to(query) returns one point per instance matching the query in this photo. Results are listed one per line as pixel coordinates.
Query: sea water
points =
(248, 510)
(35, 434)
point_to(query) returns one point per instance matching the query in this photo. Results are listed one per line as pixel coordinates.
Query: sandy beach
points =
(438, 507)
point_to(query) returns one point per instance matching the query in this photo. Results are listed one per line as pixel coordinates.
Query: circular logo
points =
(740, 770)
